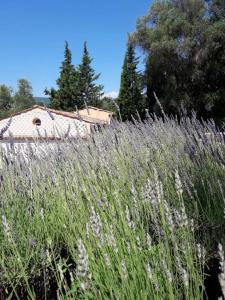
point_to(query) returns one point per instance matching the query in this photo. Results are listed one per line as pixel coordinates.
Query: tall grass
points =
(135, 212)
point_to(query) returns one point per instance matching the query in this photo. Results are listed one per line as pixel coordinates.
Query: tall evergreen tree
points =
(24, 96)
(65, 97)
(89, 91)
(130, 97)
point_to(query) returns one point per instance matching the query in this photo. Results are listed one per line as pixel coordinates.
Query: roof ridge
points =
(100, 109)
(59, 112)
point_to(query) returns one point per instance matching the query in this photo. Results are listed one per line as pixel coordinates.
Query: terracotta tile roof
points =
(58, 112)
(90, 114)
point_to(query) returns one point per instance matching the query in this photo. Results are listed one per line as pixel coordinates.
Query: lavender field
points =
(134, 212)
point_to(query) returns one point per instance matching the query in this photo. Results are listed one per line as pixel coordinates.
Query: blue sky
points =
(33, 33)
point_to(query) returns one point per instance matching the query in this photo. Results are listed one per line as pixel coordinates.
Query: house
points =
(41, 123)
(95, 115)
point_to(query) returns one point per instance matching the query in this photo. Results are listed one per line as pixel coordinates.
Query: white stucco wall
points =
(22, 125)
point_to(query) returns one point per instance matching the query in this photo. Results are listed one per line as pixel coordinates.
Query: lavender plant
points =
(134, 212)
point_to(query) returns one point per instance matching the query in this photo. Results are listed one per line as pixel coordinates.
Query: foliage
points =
(24, 96)
(11, 103)
(109, 104)
(140, 221)
(65, 97)
(130, 97)
(6, 99)
(76, 86)
(88, 90)
(184, 41)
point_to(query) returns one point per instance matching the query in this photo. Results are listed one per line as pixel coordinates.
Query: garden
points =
(136, 211)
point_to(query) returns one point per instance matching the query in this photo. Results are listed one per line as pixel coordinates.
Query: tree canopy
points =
(5, 97)
(185, 45)
(76, 85)
(24, 95)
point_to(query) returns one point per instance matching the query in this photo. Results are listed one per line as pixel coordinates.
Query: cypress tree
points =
(65, 97)
(130, 97)
(89, 91)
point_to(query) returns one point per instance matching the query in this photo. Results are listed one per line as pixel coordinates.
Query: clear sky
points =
(33, 32)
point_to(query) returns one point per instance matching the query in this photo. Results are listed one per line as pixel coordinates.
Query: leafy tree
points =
(65, 97)
(108, 103)
(88, 90)
(5, 97)
(24, 96)
(130, 97)
(185, 66)
(217, 9)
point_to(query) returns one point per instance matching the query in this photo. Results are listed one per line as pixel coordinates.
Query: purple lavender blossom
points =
(6, 127)
(67, 132)
(49, 113)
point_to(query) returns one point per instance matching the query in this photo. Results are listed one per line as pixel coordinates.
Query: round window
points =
(37, 122)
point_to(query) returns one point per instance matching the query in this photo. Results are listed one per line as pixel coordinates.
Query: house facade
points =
(42, 123)
(95, 116)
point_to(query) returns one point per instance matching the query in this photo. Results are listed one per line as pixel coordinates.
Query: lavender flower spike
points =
(82, 265)
(49, 113)
(67, 132)
(6, 127)
(5, 225)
